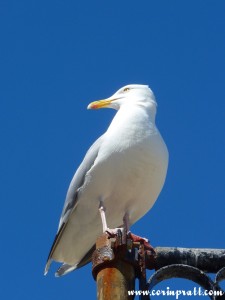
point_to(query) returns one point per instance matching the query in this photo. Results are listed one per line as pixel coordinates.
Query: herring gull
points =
(121, 175)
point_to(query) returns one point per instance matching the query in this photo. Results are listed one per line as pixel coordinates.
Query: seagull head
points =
(130, 94)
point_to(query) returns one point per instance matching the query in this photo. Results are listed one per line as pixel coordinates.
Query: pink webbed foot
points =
(142, 240)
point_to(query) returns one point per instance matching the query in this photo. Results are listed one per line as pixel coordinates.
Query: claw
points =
(113, 232)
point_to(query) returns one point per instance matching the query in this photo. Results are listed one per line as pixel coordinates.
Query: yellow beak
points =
(99, 104)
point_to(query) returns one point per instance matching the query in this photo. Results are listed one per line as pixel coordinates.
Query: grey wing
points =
(71, 197)
(78, 180)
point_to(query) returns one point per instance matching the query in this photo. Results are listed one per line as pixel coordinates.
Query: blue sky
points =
(55, 58)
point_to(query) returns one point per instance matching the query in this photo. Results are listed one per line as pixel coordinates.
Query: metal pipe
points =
(114, 282)
(114, 276)
(207, 260)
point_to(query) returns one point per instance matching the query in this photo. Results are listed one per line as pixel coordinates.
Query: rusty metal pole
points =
(113, 283)
(114, 276)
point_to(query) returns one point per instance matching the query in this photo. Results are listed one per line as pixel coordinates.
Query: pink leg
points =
(103, 218)
(104, 222)
(126, 223)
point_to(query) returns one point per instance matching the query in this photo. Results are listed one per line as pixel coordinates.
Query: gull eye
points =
(126, 89)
